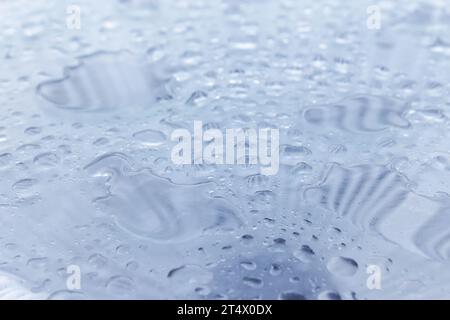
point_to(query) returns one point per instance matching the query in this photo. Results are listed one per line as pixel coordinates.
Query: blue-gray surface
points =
(86, 177)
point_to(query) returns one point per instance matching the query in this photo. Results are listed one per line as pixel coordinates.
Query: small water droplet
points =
(253, 282)
(47, 159)
(342, 266)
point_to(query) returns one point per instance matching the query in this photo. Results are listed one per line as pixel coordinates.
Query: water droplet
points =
(5, 159)
(248, 265)
(150, 138)
(253, 282)
(190, 275)
(305, 254)
(342, 266)
(33, 130)
(197, 98)
(120, 285)
(275, 269)
(38, 263)
(329, 295)
(291, 295)
(164, 211)
(47, 159)
(66, 295)
(98, 261)
(102, 82)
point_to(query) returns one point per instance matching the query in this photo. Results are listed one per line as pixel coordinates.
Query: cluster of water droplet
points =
(85, 171)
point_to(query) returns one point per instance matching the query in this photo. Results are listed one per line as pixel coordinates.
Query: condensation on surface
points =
(86, 176)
